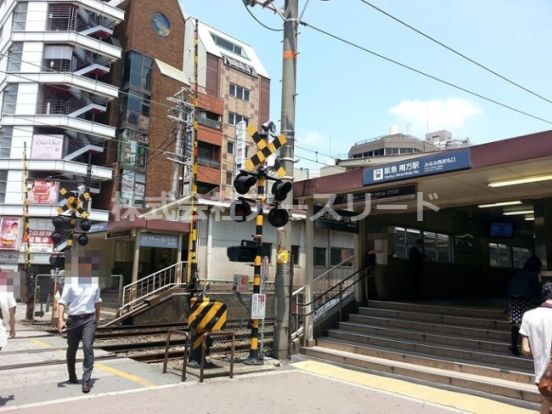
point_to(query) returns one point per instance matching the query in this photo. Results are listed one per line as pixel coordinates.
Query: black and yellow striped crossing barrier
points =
(205, 316)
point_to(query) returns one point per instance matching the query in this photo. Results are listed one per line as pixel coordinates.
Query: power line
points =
(258, 21)
(435, 78)
(456, 52)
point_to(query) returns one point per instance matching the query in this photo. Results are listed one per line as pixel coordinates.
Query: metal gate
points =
(45, 289)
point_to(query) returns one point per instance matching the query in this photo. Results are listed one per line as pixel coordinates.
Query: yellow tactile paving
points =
(125, 375)
(464, 402)
(40, 343)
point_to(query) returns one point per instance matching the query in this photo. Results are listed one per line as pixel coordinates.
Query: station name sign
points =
(442, 162)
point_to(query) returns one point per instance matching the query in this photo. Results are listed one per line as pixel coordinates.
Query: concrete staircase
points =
(459, 348)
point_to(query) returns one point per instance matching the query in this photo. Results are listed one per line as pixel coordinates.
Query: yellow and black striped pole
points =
(192, 277)
(254, 358)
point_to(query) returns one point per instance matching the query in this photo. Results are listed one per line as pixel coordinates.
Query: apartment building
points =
(55, 63)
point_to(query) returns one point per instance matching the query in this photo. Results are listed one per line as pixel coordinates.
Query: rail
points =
(186, 335)
(135, 293)
(323, 301)
(206, 338)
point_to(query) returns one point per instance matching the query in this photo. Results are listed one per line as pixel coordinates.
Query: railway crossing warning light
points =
(64, 226)
(244, 181)
(245, 252)
(278, 216)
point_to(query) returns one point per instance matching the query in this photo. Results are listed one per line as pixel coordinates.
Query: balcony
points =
(211, 123)
(208, 175)
(208, 162)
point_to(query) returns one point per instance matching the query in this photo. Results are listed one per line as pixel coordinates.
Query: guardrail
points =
(186, 335)
(206, 338)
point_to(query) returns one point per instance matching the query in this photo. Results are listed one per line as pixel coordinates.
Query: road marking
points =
(42, 344)
(463, 402)
(123, 374)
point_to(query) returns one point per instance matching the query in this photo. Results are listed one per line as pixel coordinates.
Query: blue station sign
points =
(442, 162)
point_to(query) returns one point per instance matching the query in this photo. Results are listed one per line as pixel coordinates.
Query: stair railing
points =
(137, 292)
(323, 301)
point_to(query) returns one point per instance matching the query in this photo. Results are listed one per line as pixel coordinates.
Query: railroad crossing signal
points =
(65, 225)
(265, 150)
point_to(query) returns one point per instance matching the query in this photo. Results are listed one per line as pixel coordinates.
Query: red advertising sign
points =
(43, 192)
(9, 233)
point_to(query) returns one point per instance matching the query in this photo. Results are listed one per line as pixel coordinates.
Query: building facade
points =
(55, 63)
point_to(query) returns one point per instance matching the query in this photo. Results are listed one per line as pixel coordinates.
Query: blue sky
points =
(346, 95)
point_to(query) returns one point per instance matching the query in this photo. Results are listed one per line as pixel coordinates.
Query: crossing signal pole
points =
(256, 173)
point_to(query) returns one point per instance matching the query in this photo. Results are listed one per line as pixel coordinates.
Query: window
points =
(19, 17)
(404, 239)
(230, 147)
(5, 141)
(320, 256)
(58, 58)
(234, 118)
(62, 17)
(137, 71)
(133, 152)
(295, 255)
(15, 54)
(228, 45)
(519, 256)
(10, 99)
(229, 178)
(437, 246)
(137, 109)
(239, 92)
(339, 254)
(500, 255)
(3, 184)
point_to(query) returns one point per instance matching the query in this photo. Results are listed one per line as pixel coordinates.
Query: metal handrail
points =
(340, 294)
(186, 335)
(206, 337)
(323, 274)
(137, 291)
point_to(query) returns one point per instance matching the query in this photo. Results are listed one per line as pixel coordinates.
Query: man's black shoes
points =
(86, 387)
(73, 380)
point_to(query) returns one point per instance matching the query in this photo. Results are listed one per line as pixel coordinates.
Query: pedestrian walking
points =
(524, 293)
(536, 331)
(7, 314)
(81, 298)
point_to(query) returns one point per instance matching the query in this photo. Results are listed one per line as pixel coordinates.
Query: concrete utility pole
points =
(181, 115)
(282, 280)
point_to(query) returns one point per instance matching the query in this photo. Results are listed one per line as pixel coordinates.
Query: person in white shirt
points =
(81, 298)
(7, 314)
(536, 331)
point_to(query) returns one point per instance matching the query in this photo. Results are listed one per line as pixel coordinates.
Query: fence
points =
(238, 306)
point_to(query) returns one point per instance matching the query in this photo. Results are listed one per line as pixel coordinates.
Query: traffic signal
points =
(278, 217)
(280, 189)
(83, 239)
(243, 182)
(245, 252)
(62, 230)
(240, 210)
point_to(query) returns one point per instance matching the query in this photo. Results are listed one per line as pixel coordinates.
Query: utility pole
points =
(287, 153)
(180, 114)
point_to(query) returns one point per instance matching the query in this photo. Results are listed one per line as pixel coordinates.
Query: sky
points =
(345, 95)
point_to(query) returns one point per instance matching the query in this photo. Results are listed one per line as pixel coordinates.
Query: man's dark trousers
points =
(77, 329)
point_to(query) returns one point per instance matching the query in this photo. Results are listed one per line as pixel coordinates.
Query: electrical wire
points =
(258, 21)
(420, 72)
(456, 52)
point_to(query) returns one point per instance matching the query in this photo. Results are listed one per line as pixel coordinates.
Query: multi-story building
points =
(390, 145)
(55, 60)
(230, 70)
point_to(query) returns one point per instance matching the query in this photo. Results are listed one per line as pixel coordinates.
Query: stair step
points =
(465, 311)
(464, 382)
(436, 318)
(420, 359)
(464, 331)
(425, 337)
(475, 356)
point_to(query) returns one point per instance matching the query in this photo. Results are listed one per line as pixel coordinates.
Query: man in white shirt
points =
(536, 328)
(81, 298)
(7, 313)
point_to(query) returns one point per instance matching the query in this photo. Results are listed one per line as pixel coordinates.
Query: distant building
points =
(390, 145)
(443, 140)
